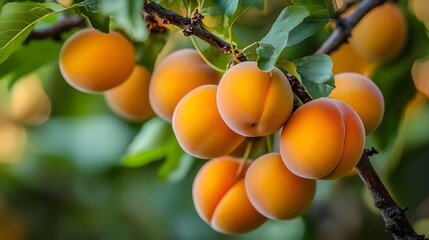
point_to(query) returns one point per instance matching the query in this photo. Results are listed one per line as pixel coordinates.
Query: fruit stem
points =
(245, 158)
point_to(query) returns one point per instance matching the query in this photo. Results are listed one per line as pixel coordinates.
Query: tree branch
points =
(190, 27)
(344, 26)
(55, 30)
(396, 222)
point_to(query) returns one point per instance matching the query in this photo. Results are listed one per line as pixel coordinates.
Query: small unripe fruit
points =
(252, 102)
(92, 61)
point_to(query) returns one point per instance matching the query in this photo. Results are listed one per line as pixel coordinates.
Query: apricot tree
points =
(238, 80)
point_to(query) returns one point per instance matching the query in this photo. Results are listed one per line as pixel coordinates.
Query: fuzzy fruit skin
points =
(363, 95)
(199, 128)
(323, 139)
(92, 61)
(254, 103)
(381, 34)
(130, 100)
(220, 198)
(174, 77)
(275, 191)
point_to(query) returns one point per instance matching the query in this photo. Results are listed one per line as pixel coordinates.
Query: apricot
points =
(92, 61)
(13, 138)
(323, 139)
(420, 75)
(130, 100)
(363, 95)
(275, 191)
(175, 76)
(381, 34)
(199, 128)
(220, 198)
(252, 102)
(29, 103)
(347, 59)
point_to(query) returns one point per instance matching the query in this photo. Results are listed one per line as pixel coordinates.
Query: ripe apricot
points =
(220, 197)
(347, 59)
(275, 191)
(199, 128)
(92, 61)
(175, 76)
(323, 139)
(130, 100)
(363, 96)
(381, 34)
(252, 102)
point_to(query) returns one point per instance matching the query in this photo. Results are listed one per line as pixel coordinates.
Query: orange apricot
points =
(381, 34)
(363, 96)
(199, 128)
(220, 198)
(275, 191)
(323, 139)
(347, 59)
(252, 102)
(130, 100)
(175, 76)
(92, 61)
(420, 75)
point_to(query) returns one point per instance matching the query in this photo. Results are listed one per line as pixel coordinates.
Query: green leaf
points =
(42, 52)
(306, 29)
(316, 74)
(231, 7)
(17, 19)
(177, 164)
(127, 14)
(91, 9)
(150, 144)
(321, 6)
(276, 40)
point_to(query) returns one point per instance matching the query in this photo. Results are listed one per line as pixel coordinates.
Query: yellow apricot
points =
(363, 96)
(13, 139)
(275, 191)
(199, 128)
(420, 75)
(220, 198)
(252, 102)
(130, 100)
(92, 61)
(175, 76)
(381, 34)
(323, 139)
(29, 103)
(347, 59)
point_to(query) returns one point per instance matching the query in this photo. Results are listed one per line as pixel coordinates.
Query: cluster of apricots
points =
(27, 104)
(213, 115)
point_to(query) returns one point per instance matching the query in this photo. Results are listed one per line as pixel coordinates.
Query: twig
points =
(55, 30)
(344, 26)
(396, 222)
(190, 27)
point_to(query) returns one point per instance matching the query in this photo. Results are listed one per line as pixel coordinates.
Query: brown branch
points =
(55, 30)
(396, 222)
(190, 27)
(344, 26)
